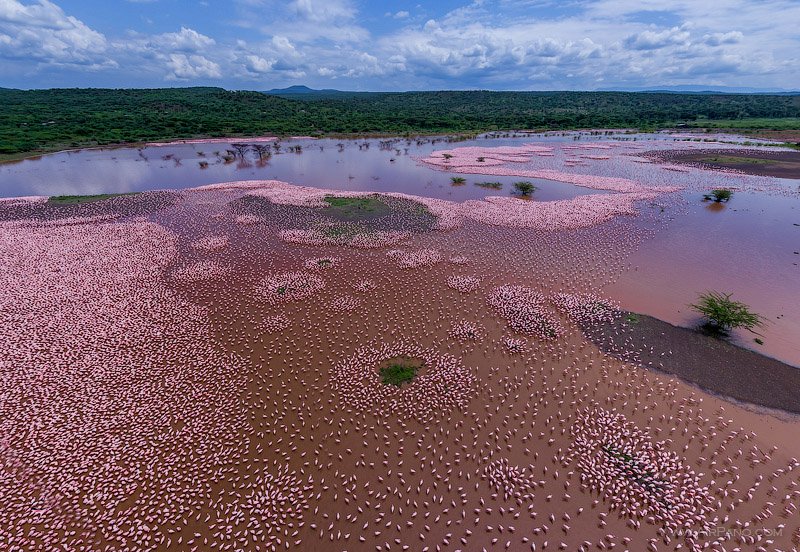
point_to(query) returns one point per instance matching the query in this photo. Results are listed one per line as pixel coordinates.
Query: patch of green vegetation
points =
(724, 314)
(524, 188)
(74, 199)
(492, 185)
(400, 371)
(458, 180)
(632, 318)
(350, 208)
(719, 195)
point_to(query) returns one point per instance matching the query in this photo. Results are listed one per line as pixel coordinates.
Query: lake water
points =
(322, 163)
(747, 247)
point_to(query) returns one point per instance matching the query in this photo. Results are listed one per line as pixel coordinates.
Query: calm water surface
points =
(322, 163)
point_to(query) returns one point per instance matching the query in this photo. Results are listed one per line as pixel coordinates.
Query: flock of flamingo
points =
(201, 371)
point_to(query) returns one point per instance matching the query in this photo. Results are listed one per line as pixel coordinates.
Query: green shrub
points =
(719, 195)
(457, 180)
(399, 372)
(723, 314)
(524, 188)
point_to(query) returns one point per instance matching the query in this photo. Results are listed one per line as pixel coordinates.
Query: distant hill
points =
(302, 90)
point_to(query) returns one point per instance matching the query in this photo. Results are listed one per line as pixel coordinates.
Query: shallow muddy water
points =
(748, 247)
(199, 369)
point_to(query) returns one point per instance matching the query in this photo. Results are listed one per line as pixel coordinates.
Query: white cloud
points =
(652, 40)
(43, 33)
(258, 65)
(718, 39)
(323, 11)
(183, 67)
(185, 40)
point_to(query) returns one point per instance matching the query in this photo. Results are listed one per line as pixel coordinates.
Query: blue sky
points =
(396, 45)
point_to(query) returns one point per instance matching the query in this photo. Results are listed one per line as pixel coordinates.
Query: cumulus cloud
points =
(652, 40)
(185, 40)
(258, 65)
(183, 67)
(44, 34)
(718, 39)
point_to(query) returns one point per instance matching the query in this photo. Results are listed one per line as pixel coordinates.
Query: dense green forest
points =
(43, 120)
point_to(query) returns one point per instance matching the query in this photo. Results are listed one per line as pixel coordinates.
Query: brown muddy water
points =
(177, 375)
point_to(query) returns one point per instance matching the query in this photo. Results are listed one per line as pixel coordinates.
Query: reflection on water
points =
(336, 164)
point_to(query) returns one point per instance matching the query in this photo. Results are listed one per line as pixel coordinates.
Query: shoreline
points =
(718, 367)
(22, 156)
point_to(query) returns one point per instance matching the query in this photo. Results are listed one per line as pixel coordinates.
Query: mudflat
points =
(779, 164)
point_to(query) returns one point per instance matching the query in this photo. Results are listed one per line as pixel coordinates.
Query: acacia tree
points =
(723, 313)
(240, 149)
(524, 188)
(262, 151)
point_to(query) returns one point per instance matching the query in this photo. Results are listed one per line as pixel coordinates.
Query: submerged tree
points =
(240, 149)
(724, 314)
(524, 188)
(262, 151)
(719, 195)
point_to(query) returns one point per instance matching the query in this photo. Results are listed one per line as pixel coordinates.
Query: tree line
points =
(44, 120)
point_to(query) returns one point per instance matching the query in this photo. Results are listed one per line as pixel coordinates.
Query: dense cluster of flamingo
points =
(515, 345)
(262, 514)
(586, 308)
(290, 286)
(513, 481)
(525, 311)
(444, 385)
(345, 303)
(211, 243)
(211, 141)
(415, 258)
(321, 263)
(365, 285)
(200, 270)
(357, 239)
(640, 478)
(464, 284)
(466, 331)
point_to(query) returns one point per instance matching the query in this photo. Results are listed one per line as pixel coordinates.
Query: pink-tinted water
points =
(749, 247)
(165, 388)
